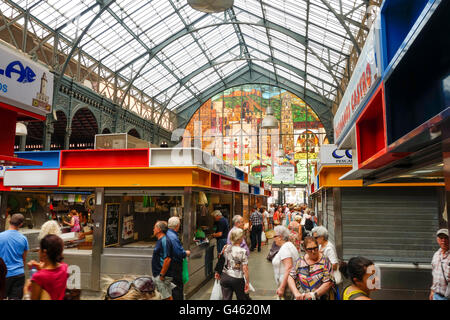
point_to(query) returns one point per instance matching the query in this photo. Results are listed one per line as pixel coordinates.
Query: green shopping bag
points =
(185, 271)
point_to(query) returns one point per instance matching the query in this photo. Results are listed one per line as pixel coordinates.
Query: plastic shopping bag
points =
(337, 276)
(263, 237)
(185, 271)
(216, 293)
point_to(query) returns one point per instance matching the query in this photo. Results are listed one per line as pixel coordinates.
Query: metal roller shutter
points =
(330, 216)
(390, 224)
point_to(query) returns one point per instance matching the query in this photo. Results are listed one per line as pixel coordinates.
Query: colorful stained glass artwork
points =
(229, 126)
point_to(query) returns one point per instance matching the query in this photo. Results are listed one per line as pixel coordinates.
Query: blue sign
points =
(337, 156)
(25, 74)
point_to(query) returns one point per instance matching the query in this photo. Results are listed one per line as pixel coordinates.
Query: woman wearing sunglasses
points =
(310, 279)
(141, 288)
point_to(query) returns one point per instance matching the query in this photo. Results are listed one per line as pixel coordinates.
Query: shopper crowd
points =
(304, 260)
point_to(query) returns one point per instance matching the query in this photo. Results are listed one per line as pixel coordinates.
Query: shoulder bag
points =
(220, 261)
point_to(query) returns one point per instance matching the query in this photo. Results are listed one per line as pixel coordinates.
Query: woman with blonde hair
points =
(234, 276)
(50, 227)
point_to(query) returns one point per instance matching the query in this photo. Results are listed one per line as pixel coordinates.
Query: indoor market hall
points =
(224, 150)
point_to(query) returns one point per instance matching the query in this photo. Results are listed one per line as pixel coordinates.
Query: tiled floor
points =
(261, 278)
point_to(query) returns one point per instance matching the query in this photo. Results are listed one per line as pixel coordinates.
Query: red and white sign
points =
(365, 74)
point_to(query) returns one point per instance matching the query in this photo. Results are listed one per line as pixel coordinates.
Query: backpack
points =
(273, 251)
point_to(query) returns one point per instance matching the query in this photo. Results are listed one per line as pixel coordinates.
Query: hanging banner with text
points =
(284, 173)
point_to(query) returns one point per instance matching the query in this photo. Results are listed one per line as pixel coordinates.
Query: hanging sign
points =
(364, 77)
(24, 83)
(330, 155)
(284, 173)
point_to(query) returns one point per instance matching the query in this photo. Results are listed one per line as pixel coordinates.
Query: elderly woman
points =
(234, 276)
(283, 261)
(49, 227)
(295, 230)
(326, 247)
(310, 279)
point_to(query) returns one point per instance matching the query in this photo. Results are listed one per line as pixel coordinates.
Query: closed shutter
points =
(330, 215)
(390, 224)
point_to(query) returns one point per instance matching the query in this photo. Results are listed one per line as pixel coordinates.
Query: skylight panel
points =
(290, 75)
(189, 15)
(267, 66)
(252, 6)
(244, 16)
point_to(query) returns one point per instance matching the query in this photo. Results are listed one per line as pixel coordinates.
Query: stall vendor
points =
(222, 228)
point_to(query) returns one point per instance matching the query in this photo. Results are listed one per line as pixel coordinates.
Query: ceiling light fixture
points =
(211, 6)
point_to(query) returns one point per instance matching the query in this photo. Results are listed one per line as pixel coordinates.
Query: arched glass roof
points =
(169, 53)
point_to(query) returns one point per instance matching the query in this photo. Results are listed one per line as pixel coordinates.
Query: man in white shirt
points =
(441, 268)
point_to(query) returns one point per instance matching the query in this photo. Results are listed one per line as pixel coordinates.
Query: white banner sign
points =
(329, 154)
(24, 83)
(31, 178)
(365, 74)
(284, 173)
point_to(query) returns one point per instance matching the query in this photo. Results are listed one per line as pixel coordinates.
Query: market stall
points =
(130, 190)
(392, 224)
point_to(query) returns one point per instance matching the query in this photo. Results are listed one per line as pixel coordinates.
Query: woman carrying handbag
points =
(232, 268)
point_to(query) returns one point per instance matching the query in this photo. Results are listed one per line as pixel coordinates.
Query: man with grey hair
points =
(238, 222)
(13, 251)
(441, 268)
(222, 228)
(179, 254)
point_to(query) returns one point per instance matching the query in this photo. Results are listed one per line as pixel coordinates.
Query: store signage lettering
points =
(364, 84)
(364, 77)
(337, 156)
(330, 155)
(25, 74)
(24, 83)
